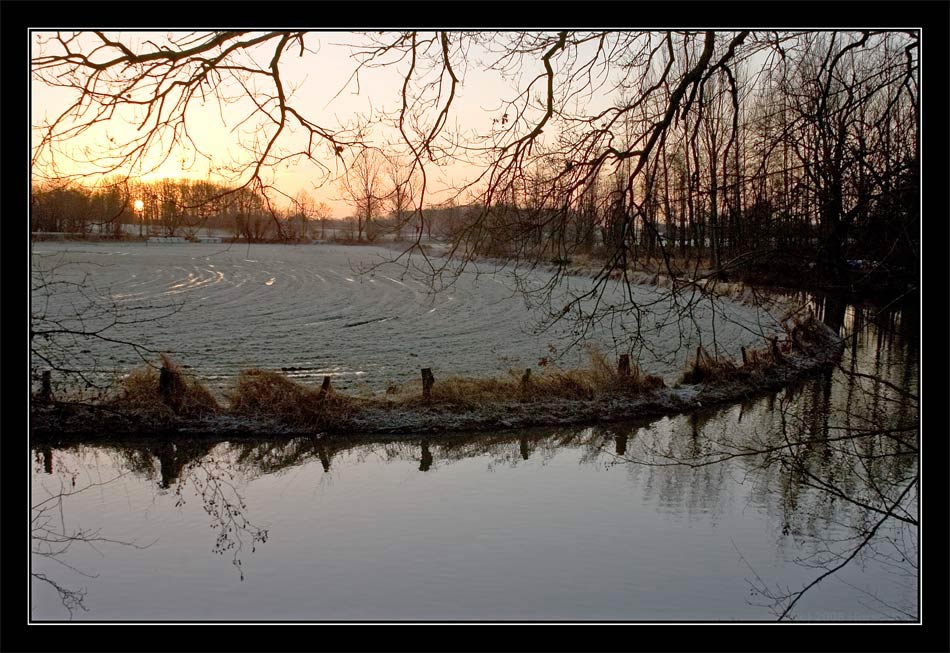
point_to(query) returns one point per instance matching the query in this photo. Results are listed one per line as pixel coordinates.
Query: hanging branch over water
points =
(696, 154)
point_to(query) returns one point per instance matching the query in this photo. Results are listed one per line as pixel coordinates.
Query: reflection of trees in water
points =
(855, 470)
(700, 491)
(51, 539)
(271, 456)
(203, 466)
(839, 452)
(211, 477)
(504, 448)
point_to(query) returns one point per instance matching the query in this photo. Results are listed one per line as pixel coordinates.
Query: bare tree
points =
(363, 185)
(589, 113)
(305, 213)
(156, 84)
(322, 213)
(589, 103)
(401, 195)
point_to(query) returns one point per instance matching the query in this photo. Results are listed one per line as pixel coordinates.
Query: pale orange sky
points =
(315, 78)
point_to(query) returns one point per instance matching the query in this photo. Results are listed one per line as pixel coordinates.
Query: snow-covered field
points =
(308, 309)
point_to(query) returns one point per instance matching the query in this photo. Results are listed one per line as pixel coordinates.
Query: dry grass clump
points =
(270, 394)
(806, 331)
(457, 390)
(599, 378)
(472, 392)
(165, 392)
(708, 368)
(801, 334)
(705, 368)
(464, 391)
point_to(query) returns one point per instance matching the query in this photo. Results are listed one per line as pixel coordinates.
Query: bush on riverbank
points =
(163, 393)
(800, 334)
(271, 394)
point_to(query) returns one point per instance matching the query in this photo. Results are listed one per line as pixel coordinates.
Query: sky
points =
(320, 86)
(318, 80)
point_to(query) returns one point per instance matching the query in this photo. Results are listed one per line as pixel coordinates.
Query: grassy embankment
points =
(167, 400)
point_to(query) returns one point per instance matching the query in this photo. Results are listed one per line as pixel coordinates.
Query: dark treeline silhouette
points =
(807, 165)
(187, 208)
(167, 207)
(783, 156)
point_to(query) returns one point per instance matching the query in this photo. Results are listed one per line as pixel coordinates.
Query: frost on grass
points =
(269, 402)
(256, 330)
(314, 310)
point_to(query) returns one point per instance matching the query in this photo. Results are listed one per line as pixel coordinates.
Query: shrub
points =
(598, 378)
(163, 393)
(264, 393)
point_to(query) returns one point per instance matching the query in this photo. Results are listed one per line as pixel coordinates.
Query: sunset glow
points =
(219, 137)
(575, 325)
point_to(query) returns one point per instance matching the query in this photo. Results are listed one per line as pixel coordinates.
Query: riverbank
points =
(267, 403)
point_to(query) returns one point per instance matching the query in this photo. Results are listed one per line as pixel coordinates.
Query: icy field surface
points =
(312, 310)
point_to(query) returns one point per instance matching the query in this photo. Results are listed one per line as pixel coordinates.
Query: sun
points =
(139, 205)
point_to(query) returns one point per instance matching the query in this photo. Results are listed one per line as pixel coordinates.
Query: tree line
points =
(790, 152)
(807, 164)
(187, 208)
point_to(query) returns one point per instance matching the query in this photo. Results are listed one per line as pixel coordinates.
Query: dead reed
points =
(162, 393)
(800, 334)
(262, 393)
(598, 379)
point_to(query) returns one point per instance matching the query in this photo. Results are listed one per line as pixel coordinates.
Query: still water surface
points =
(602, 523)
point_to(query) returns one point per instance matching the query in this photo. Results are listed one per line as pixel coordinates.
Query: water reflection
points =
(832, 462)
(212, 480)
(52, 536)
(426, 461)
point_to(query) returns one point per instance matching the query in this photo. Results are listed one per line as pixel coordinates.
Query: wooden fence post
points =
(623, 367)
(620, 444)
(427, 382)
(324, 458)
(325, 388)
(47, 460)
(773, 346)
(46, 392)
(165, 384)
